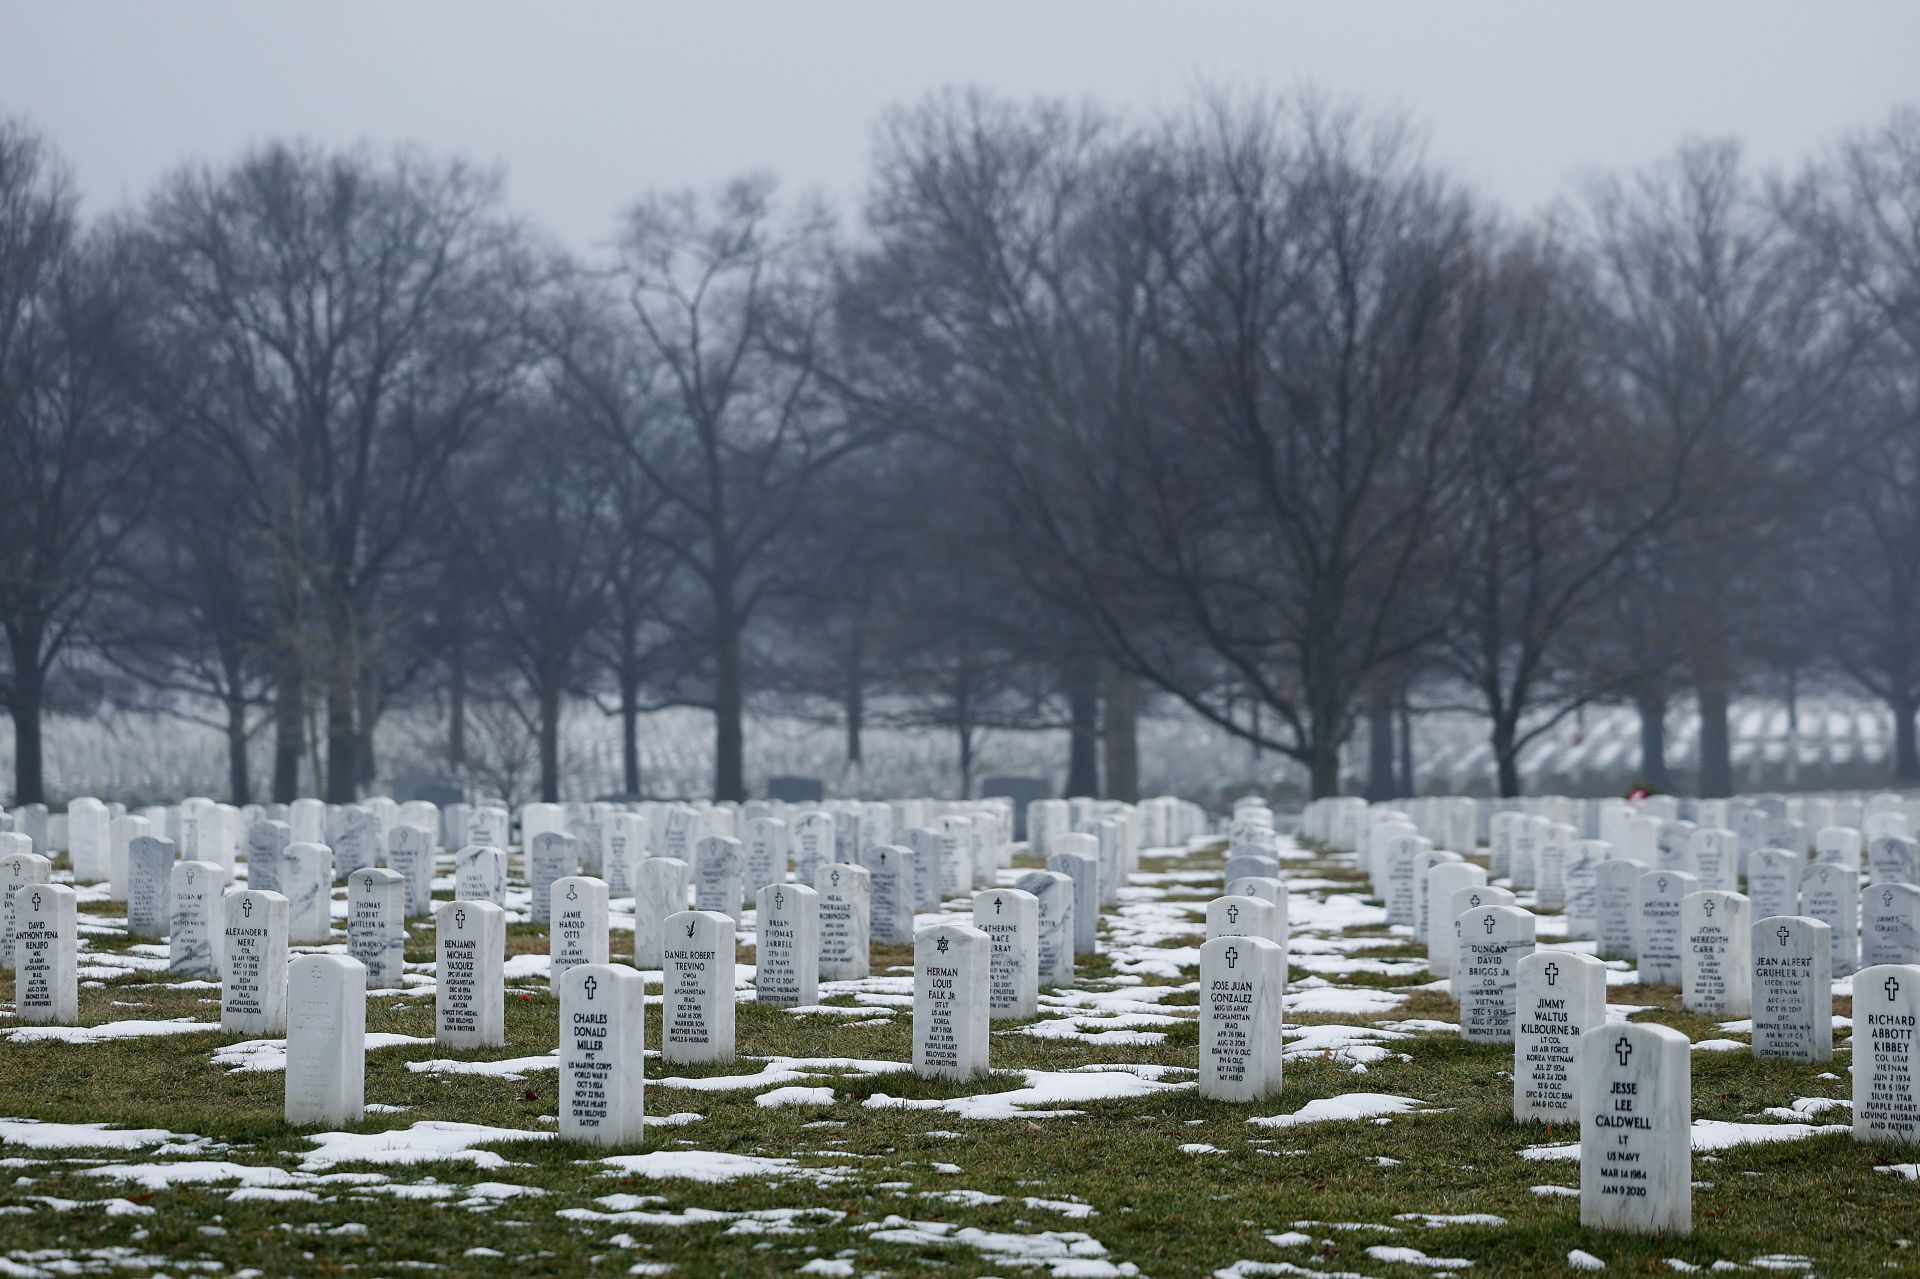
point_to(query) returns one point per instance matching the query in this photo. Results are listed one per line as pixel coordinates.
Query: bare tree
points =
(354, 321)
(74, 448)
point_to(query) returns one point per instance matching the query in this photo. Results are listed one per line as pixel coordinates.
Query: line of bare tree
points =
(1251, 408)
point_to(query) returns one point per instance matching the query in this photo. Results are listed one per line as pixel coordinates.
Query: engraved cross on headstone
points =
(1552, 972)
(1623, 1049)
(1233, 956)
(1892, 987)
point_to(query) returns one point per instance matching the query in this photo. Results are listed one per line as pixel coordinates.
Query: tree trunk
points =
(729, 754)
(1716, 741)
(1323, 764)
(1120, 730)
(856, 717)
(1380, 748)
(25, 705)
(289, 705)
(1083, 755)
(965, 730)
(1506, 756)
(1409, 784)
(343, 687)
(457, 707)
(239, 777)
(1651, 703)
(550, 741)
(630, 729)
(1906, 754)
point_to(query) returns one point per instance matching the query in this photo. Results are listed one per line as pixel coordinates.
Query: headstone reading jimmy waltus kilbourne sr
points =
(1559, 996)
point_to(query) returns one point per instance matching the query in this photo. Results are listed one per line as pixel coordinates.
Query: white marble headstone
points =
(845, 906)
(1493, 941)
(193, 936)
(895, 890)
(46, 983)
(326, 1040)
(1792, 989)
(253, 985)
(1657, 938)
(602, 1047)
(1242, 1007)
(661, 888)
(1716, 968)
(1559, 996)
(470, 989)
(1886, 1062)
(787, 945)
(1831, 893)
(1636, 1156)
(950, 1001)
(1011, 918)
(697, 1006)
(1053, 901)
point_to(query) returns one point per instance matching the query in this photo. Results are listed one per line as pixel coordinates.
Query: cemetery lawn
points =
(1161, 1184)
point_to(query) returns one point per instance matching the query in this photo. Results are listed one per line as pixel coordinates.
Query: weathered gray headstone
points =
(1657, 940)
(193, 935)
(720, 875)
(306, 881)
(1084, 871)
(895, 888)
(377, 925)
(1893, 859)
(1831, 894)
(766, 853)
(1053, 902)
(480, 874)
(661, 889)
(1773, 881)
(150, 860)
(1616, 902)
(1716, 969)
(551, 855)
(410, 852)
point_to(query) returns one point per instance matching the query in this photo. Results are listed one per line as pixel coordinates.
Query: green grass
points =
(1162, 1211)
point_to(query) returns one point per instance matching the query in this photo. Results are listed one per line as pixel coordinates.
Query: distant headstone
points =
(354, 846)
(326, 1040)
(1493, 941)
(1465, 900)
(1582, 877)
(377, 925)
(89, 836)
(845, 910)
(1831, 894)
(796, 790)
(1716, 968)
(1274, 893)
(17, 871)
(150, 861)
(1792, 989)
(1248, 864)
(1657, 939)
(766, 853)
(480, 874)
(697, 1006)
(193, 935)
(950, 1001)
(626, 845)
(1886, 1063)
(1239, 917)
(1084, 871)
(470, 994)
(1443, 882)
(787, 949)
(929, 851)
(1773, 881)
(1893, 859)
(46, 983)
(720, 875)
(266, 849)
(1616, 900)
(1559, 996)
(306, 881)
(602, 1048)
(410, 855)
(1890, 925)
(1242, 980)
(1636, 1157)
(551, 855)
(253, 985)
(812, 842)
(1022, 791)
(661, 889)
(1053, 903)
(893, 880)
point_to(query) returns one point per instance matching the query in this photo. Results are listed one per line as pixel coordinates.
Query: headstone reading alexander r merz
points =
(253, 983)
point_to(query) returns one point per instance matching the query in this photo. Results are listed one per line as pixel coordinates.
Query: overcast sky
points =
(587, 105)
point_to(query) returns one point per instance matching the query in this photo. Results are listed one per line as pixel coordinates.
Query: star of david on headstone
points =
(941, 945)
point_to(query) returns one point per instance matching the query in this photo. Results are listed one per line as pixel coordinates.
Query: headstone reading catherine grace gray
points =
(697, 1006)
(1242, 983)
(1792, 989)
(950, 1001)
(1559, 996)
(1716, 968)
(577, 929)
(1636, 1157)
(326, 1040)
(1011, 918)
(1493, 941)
(46, 982)
(845, 904)
(787, 947)
(377, 925)
(660, 890)
(253, 984)
(1886, 1063)
(602, 1048)
(470, 993)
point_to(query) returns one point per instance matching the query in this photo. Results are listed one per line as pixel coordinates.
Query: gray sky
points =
(587, 105)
